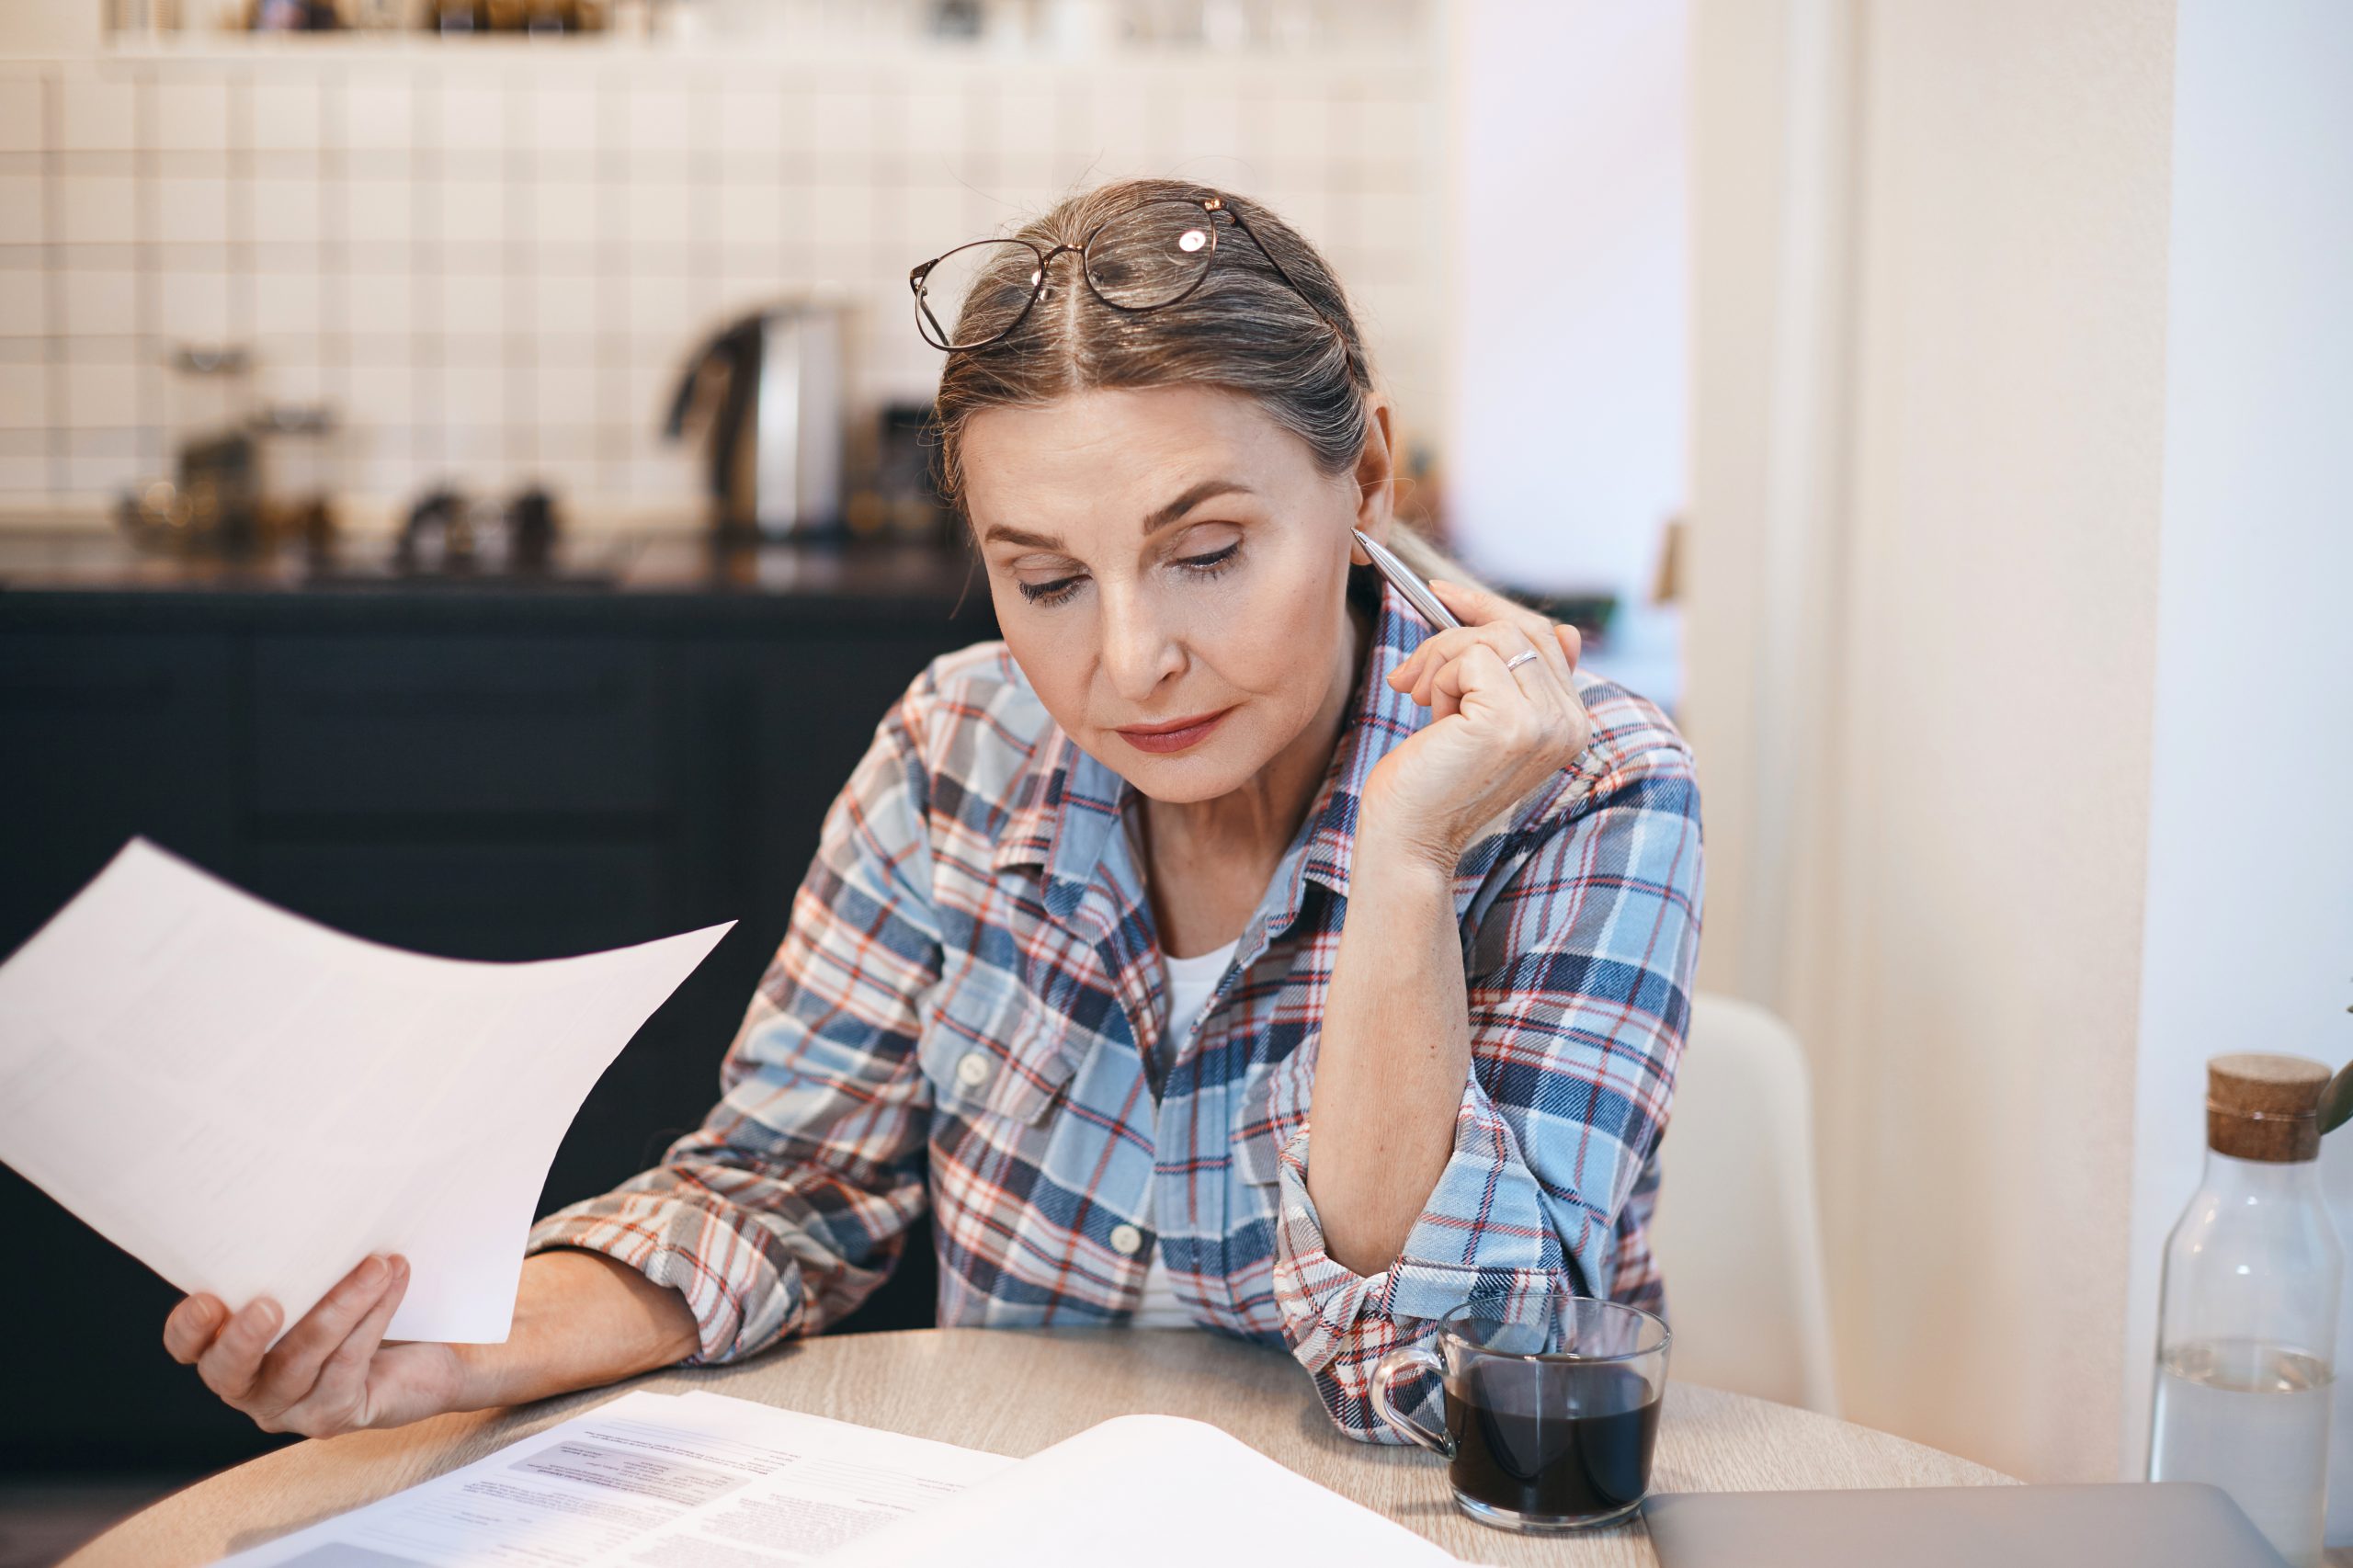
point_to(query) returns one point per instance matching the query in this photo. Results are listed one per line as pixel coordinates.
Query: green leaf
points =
(2336, 1100)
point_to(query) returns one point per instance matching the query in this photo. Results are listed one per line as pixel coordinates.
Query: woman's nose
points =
(1138, 651)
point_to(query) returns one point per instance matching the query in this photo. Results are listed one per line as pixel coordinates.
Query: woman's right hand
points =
(331, 1373)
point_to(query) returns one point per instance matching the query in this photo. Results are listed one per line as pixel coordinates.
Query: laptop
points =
(2167, 1524)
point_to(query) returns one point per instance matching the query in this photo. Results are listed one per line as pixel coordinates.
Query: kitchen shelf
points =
(1298, 30)
(417, 48)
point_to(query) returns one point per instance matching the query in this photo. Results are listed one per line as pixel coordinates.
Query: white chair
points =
(1737, 1232)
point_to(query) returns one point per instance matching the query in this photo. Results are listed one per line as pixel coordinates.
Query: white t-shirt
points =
(1190, 981)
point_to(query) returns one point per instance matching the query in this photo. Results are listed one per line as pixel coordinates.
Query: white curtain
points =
(1928, 328)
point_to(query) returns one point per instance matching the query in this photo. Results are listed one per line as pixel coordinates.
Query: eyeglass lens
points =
(974, 292)
(1141, 260)
(1151, 257)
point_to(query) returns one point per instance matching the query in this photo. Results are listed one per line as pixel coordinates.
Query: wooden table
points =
(1016, 1393)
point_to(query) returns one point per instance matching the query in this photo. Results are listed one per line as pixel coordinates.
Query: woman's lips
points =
(1187, 731)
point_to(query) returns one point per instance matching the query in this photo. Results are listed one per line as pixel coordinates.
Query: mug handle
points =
(1408, 1358)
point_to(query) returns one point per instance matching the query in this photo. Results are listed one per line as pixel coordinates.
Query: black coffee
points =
(1521, 1445)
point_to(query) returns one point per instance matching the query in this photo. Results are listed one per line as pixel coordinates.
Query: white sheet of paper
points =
(250, 1103)
(650, 1479)
(1144, 1492)
(697, 1480)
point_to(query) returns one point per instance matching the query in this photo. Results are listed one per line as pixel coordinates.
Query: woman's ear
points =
(1375, 476)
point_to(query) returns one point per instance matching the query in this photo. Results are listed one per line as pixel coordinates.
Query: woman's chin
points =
(1202, 772)
(1179, 783)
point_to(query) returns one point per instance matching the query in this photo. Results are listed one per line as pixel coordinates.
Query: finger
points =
(1471, 605)
(192, 1325)
(1415, 673)
(1475, 606)
(1508, 638)
(232, 1363)
(337, 1401)
(1544, 636)
(1421, 683)
(1425, 679)
(1554, 707)
(1444, 689)
(293, 1366)
(1478, 606)
(1480, 668)
(1504, 641)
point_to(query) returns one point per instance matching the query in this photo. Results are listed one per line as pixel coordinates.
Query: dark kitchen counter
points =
(641, 581)
(646, 742)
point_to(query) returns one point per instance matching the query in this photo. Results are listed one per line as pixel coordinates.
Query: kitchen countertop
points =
(675, 579)
(51, 576)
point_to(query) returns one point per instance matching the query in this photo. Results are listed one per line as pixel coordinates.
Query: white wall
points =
(2249, 925)
(1974, 486)
(39, 26)
(493, 258)
(1566, 437)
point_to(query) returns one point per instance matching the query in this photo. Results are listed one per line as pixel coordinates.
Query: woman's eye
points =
(1209, 566)
(1061, 588)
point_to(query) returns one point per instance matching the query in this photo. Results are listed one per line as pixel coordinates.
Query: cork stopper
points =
(2264, 1108)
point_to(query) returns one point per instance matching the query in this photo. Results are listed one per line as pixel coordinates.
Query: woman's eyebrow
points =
(1155, 521)
(1152, 523)
(1020, 536)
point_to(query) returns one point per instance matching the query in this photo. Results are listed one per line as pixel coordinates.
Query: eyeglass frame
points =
(1211, 205)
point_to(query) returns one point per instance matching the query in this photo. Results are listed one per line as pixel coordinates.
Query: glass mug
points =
(1552, 1410)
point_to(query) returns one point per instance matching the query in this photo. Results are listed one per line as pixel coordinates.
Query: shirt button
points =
(973, 1070)
(1126, 1240)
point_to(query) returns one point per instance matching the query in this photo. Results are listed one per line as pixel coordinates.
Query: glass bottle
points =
(2246, 1324)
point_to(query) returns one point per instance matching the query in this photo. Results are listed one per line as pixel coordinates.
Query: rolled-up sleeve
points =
(1579, 978)
(789, 1204)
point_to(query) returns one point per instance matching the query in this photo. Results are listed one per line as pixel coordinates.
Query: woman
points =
(1219, 845)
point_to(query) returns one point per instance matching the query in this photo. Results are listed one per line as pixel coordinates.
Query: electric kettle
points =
(768, 389)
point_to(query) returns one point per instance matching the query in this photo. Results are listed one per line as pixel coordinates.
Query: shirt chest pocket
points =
(991, 1048)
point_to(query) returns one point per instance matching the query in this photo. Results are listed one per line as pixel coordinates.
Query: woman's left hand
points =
(1493, 736)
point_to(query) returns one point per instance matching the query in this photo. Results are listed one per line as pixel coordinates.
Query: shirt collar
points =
(1070, 809)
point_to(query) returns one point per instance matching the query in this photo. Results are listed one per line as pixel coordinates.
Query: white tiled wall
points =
(493, 264)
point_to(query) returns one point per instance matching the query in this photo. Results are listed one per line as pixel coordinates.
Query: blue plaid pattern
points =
(969, 988)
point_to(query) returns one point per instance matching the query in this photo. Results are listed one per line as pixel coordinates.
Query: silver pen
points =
(1417, 592)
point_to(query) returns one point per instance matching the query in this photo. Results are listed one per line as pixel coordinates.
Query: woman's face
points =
(1164, 555)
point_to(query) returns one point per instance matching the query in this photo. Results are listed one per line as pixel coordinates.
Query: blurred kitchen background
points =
(1937, 405)
(469, 248)
(486, 257)
(464, 475)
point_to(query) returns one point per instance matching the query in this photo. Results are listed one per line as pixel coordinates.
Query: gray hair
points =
(1243, 329)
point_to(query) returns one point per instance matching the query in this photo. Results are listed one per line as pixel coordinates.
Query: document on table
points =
(654, 1480)
(1146, 1492)
(250, 1103)
(702, 1480)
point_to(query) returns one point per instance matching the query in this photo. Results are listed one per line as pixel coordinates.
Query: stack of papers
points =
(250, 1103)
(702, 1480)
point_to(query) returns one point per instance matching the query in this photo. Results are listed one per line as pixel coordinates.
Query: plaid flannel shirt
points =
(963, 1008)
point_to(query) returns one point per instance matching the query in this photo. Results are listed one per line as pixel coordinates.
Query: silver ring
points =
(1519, 658)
